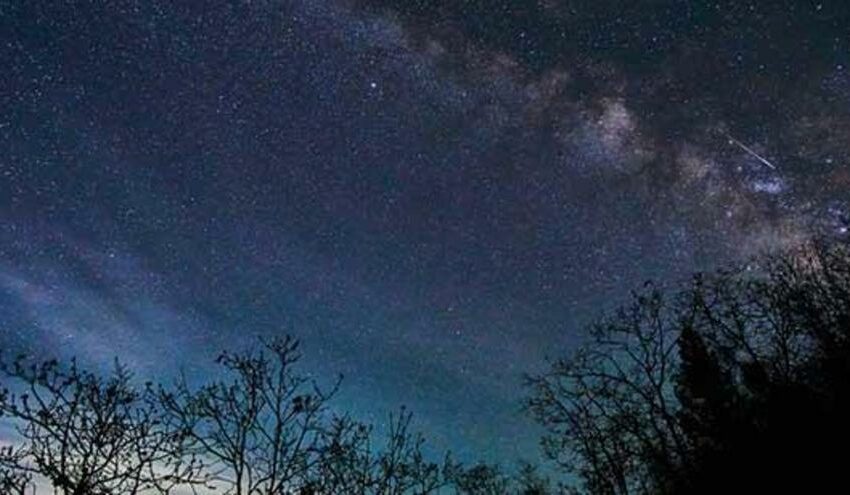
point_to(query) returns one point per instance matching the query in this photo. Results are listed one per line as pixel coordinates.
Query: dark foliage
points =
(740, 383)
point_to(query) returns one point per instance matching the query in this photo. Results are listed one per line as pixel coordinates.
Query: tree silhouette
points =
(776, 412)
(482, 479)
(13, 481)
(489, 479)
(738, 383)
(351, 463)
(530, 482)
(258, 427)
(88, 435)
(609, 409)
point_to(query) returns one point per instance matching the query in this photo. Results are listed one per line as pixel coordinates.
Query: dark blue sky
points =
(433, 197)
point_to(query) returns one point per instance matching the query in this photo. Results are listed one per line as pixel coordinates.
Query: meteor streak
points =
(750, 151)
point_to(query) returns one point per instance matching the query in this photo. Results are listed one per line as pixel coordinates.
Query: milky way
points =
(432, 195)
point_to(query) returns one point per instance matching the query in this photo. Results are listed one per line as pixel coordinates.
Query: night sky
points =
(434, 196)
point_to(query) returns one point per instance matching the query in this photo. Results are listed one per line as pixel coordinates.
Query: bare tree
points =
(481, 479)
(352, 463)
(89, 435)
(258, 428)
(610, 408)
(530, 482)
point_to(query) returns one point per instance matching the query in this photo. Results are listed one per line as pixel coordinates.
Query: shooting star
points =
(750, 151)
